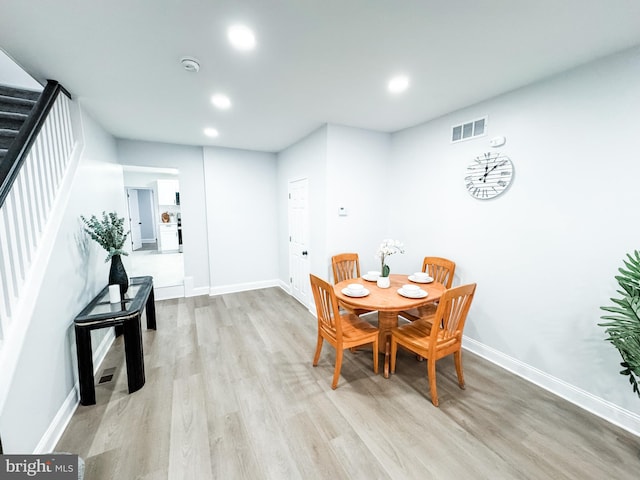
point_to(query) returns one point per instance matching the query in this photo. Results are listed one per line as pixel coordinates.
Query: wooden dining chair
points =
(437, 339)
(342, 330)
(346, 266)
(442, 271)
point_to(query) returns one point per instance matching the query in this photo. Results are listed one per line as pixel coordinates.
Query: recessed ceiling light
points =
(221, 101)
(211, 132)
(241, 37)
(398, 84)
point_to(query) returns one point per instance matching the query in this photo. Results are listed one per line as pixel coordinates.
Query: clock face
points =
(488, 175)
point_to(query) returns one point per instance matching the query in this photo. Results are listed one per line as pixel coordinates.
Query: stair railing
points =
(31, 175)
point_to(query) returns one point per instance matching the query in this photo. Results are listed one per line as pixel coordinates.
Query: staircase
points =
(37, 147)
(15, 106)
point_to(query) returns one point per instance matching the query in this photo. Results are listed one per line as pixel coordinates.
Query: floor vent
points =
(107, 375)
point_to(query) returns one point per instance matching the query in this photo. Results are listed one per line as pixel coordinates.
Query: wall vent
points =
(471, 129)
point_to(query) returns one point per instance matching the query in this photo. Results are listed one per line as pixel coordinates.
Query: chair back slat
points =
(440, 269)
(326, 306)
(345, 266)
(451, 313)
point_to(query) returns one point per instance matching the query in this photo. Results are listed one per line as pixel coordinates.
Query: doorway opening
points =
(155, 221)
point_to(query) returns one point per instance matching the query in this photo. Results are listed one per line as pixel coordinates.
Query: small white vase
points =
(383, 282)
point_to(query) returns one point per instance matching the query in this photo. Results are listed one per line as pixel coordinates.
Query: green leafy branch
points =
(623, 326)
(108, 232)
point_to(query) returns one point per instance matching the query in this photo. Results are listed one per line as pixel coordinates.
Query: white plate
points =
(369, 279)
(420, 294)
(426, 280)
(349, 293)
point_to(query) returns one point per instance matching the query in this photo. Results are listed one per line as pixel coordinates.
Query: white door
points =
(134, 219)
(299, 240)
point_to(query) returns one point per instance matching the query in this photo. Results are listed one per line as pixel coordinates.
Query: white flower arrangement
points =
(388, 247)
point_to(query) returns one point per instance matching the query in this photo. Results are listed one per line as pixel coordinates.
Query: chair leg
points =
(387, 351)
(457, 358)
(318, 349)
(394, 350)
(431, 371)
(375, 355)
(336, 373)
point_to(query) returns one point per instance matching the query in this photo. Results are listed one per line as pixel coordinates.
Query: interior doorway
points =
(142, 219)
(154, 222)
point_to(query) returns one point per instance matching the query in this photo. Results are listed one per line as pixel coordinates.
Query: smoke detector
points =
(190, 64)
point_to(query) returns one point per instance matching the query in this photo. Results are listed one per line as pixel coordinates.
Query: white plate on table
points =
(419, 294)
(349, 293)
(426, 280)
(369, 279)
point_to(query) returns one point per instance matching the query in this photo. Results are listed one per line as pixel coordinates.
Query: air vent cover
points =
(470, 129)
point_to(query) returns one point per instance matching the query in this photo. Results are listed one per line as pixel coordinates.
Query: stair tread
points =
(16, 115)
(19, 93)
(15, 107)
(19, 102)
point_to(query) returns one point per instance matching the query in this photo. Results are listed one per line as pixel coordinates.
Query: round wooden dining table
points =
(387, 301)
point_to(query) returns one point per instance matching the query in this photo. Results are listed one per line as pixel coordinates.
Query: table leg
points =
(133, 353)
(85, 366)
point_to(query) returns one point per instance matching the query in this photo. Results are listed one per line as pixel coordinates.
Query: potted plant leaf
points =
(623, 326)
(109, 233)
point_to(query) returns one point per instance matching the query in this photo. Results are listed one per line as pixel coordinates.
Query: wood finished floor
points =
(230, 393)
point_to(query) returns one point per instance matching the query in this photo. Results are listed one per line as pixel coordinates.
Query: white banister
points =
(27, 207)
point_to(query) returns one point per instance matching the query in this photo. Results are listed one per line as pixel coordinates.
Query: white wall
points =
(544, 254)
(357, 179)
(46, 373)
(14, 76)
(307, 158)
(345, 167)
(188, 160)
(241, 218)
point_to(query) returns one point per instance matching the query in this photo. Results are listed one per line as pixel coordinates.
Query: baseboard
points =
(243, 287)
(166, 293)
(608, 411)
(285, 286)
(59, 423)
(49, 440)
(196, 292)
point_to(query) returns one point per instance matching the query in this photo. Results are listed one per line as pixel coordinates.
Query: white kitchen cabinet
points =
(167, 190)
(168, 236)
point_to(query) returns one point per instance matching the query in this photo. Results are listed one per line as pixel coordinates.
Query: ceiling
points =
(316, 62)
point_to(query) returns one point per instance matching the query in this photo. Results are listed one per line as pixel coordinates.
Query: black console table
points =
(125, 315)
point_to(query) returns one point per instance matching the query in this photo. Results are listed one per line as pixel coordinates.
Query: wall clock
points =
(488, 175)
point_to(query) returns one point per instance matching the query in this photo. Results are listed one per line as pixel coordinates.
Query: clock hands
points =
(488, 170)
(483, 178)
